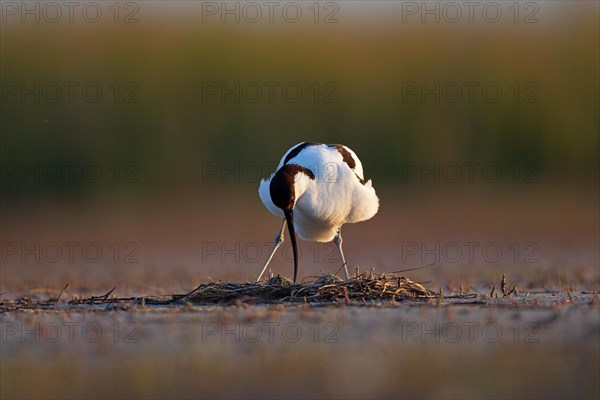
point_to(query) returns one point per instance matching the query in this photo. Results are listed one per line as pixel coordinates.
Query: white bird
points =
(316, 189)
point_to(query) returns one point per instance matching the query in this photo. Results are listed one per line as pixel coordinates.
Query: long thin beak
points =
(289, 217)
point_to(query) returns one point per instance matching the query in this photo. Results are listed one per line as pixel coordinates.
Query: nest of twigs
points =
(325, 289)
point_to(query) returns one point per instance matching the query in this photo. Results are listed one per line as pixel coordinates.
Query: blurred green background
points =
(159, 119)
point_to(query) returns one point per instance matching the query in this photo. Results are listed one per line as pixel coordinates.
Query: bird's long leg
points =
(278, 240)
(338, 243)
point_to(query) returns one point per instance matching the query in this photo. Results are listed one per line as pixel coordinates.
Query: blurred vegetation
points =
(174, 126)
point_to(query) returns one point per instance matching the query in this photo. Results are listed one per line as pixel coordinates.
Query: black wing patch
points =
(296, 150)
(348, 159)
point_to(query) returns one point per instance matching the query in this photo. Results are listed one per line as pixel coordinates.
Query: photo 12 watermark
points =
(249, 252)
(470, 252)
(455, 12)
(253, 12)
(69, 252)
(69, 172)
(469, 172)
(53, 12)
(467, 332)
(68, 332)
(469, 92)
(269, 332)
(69, 92)
(270, 92)
(254, 172)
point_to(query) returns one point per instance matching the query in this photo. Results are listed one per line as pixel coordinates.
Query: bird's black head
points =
(282, 185)
(283, 195)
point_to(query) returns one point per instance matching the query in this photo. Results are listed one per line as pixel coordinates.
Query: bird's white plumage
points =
(334, 197)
